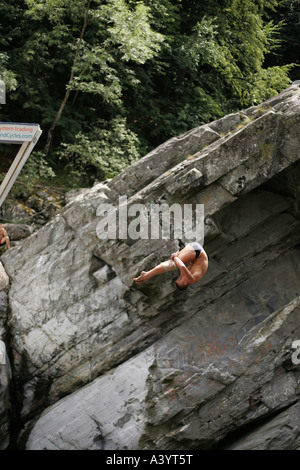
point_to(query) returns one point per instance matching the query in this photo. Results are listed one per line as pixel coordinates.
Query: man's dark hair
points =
(181, 287)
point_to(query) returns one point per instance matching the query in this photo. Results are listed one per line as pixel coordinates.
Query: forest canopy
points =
(110, 80)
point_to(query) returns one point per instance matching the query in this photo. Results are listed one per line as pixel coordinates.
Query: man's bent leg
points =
(160, 269)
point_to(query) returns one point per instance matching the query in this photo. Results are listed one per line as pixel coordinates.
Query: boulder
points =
(4, 279)
(5, 409)
(5, 370)
(103, 363)
(18, 231)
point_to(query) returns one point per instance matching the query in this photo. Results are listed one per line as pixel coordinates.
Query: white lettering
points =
(118, 460)
(141, 221)
(156, 221)
(110, 221)
(296, 354)
(123, 217)
(2, 353)
(166, 211)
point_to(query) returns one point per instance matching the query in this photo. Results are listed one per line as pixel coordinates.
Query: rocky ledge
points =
(98, 362)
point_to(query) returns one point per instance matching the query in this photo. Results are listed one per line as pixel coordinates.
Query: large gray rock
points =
(278, 433)
(4, 279)
(188, 390)
(5, 370)
(149, 366)
(93, 417)
(18, 231)
(5, 409)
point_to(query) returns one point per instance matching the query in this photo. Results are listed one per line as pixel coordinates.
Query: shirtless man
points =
(194, 254)
(4, 238)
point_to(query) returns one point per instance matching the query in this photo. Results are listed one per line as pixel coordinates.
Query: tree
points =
(7, 76)
(126, 75)
(10, 17)
(287, 37)
(211, 64)
(128, 36)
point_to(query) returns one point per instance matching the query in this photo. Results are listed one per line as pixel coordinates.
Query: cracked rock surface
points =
(102, 363)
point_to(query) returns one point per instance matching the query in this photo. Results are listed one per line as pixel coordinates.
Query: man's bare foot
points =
(142, 278)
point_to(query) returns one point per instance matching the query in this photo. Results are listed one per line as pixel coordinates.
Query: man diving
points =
(192, 255)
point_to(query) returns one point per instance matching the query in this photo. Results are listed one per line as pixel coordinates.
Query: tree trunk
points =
(68, 90)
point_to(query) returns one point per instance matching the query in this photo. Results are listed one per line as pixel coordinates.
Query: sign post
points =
(15, 133)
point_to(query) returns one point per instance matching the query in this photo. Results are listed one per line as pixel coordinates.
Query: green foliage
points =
(36, 168)
(109, 81)
(130, 30)
(267, 83)
(107, 150)
(287, 15)
(212, 64)
(7, 76)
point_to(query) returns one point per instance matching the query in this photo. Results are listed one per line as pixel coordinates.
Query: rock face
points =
(35, 209)
(5, 371)
(102, 363)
